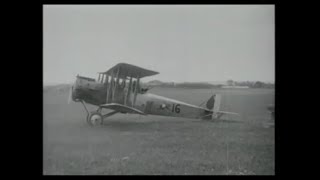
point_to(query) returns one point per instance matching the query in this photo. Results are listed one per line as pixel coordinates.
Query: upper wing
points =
(122, 108)
(127, 70)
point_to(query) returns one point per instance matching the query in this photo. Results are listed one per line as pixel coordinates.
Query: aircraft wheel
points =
(95, 118)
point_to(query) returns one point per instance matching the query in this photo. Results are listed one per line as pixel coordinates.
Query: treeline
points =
(228, 84)
(181, 85)
(197, 85)
(250, 84)
(57, 88)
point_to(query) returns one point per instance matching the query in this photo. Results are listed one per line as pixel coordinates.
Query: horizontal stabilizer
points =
(225, 112)
(122, 108)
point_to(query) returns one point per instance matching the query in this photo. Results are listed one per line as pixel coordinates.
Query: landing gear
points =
(95, 118)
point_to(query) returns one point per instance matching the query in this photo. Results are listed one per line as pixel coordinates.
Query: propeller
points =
(70, 94)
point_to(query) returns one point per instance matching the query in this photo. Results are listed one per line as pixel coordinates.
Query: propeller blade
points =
(70, 94)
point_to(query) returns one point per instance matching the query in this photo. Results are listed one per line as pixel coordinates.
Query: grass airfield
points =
(139, 145)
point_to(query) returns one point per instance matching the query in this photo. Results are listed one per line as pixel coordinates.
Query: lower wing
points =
(122, 108)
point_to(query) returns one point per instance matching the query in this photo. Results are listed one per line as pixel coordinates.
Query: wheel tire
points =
(95, 118)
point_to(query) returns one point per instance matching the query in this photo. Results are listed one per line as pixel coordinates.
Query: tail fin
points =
(217, 103)
(214, 104)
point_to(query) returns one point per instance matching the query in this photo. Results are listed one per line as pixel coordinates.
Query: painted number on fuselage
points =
(175, 108)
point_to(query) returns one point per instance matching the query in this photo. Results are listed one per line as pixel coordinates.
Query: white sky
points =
(182, 42)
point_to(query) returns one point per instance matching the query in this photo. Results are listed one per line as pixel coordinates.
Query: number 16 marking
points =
(175, 108)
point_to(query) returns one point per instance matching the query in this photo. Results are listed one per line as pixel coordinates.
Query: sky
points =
(184, 43)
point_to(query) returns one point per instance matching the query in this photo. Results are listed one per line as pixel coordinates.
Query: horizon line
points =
(268, 81)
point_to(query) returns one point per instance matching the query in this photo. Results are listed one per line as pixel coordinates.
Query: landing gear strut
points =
(95, 118)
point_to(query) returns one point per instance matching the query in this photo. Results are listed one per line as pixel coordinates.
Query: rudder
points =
(214, 104)
(217, 103)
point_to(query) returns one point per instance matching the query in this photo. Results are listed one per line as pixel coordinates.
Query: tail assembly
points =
(213, 104)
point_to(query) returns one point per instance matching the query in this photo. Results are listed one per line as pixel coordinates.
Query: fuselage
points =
(159, 105)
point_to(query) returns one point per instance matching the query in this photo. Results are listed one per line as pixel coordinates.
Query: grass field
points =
(134, 144)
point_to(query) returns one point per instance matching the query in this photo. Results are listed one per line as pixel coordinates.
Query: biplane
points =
(119, 90)
(270, 108)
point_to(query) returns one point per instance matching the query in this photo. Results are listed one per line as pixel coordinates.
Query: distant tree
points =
(230, 82)
(258, 84)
